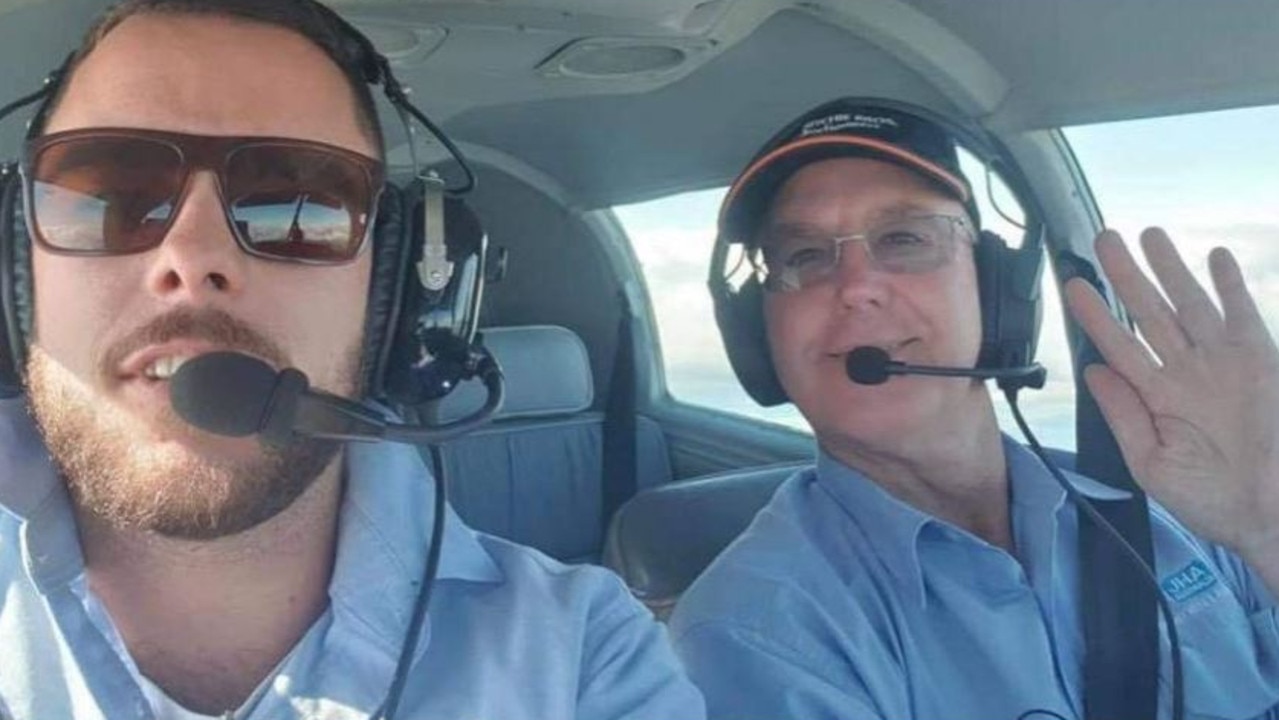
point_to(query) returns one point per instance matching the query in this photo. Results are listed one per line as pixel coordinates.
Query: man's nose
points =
(860, 285)
(199, 256)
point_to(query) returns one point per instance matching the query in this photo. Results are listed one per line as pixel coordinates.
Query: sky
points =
(1208, 179)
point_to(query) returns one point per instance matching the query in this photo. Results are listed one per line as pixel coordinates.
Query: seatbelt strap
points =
(619, 461)
(1121, 629)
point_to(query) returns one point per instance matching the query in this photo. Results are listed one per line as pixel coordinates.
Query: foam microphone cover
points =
(225, 393)
(867, 365)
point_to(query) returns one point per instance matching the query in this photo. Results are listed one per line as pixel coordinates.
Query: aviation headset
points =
(421, 321)
(1007, 278)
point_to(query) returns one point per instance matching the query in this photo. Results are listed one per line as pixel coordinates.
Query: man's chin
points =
(143, 468)
(202, 490)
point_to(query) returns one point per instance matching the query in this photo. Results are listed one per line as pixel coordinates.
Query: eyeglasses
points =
(117, 191)
(916, 244)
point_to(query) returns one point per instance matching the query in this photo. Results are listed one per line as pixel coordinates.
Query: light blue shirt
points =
(511, 634)
(841, 601)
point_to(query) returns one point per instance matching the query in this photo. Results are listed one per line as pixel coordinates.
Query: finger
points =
(1196, 314)
(1147, 308)
(1129, 419)
(1123, 351)
(1242, 318)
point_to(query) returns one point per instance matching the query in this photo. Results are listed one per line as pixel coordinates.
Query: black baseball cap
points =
(843, 128)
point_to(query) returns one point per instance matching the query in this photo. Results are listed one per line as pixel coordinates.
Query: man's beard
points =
(115, 471)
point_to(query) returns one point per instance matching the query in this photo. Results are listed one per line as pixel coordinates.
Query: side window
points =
(1208, 179)
(672, 238)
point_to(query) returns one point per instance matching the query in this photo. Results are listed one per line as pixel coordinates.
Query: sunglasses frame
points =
(197, 153)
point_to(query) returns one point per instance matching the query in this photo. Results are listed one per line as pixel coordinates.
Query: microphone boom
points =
(228, 393)
(870, 365)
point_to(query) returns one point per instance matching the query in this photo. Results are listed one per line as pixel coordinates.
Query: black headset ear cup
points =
(15, 284)
(434, 330)
(1011, 306)
(989, 256)
(740, 315)
(391, 248)
(456, 309)
(404, 318)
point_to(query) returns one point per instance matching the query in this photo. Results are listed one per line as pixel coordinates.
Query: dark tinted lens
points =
(298, 203)
(104, 195)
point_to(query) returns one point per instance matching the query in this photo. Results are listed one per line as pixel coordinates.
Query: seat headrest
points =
(664, 537)
(547, 371)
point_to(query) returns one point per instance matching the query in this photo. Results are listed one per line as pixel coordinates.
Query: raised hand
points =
(1195, 409)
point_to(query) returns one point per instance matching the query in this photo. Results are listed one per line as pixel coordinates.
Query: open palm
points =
(1195, 409)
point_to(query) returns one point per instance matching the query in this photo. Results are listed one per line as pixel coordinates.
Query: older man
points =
(927, 566)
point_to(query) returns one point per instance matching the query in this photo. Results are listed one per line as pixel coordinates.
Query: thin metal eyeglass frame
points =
(959, 226)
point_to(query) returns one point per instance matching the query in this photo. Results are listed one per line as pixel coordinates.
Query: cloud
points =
(1254, 245)
(674, 253)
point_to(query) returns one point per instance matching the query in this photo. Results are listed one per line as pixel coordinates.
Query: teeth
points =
(164, 368)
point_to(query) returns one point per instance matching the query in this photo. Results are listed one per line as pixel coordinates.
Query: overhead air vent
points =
(403, 45)
(621, 58)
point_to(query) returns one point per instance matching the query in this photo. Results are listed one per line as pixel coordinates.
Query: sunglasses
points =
(109, 191)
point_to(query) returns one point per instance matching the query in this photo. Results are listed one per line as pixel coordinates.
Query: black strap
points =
(619, 462)
(12, 341)
(1121, 629)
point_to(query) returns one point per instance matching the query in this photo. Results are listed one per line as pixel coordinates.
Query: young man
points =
(927, 566)
(148, 569)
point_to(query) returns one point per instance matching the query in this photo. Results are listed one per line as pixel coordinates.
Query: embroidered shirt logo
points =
(1188, 582)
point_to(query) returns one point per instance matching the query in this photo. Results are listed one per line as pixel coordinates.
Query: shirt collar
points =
(1034, 485)
(31, 490)
(384, 530)
(27, 478)
(892, 527)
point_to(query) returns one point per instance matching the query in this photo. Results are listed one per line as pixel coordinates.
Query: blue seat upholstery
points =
(662, 539)
(535, 474)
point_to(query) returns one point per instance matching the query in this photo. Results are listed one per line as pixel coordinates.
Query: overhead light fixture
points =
(403, 45)
(613, 58)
